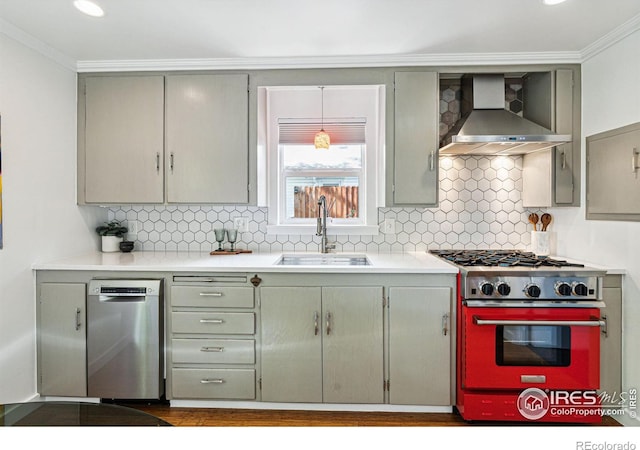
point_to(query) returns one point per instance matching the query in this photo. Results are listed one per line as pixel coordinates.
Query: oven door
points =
(515, 348)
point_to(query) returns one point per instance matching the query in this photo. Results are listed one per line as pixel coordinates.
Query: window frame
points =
(277, 102)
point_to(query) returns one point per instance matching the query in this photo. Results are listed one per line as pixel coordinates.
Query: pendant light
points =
(322, 139)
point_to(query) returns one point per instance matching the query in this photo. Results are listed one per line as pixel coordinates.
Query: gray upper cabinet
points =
(613, 174)
(120, 146)
(415, 173)
(163, 139)
(207, 138)
(552, 177)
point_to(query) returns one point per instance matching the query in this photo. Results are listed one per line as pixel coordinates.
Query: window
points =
(349, 174)
(308, 173)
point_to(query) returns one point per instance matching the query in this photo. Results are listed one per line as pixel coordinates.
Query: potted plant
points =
(112, 234)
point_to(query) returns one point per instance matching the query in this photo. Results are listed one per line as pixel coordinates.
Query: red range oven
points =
(528, 338)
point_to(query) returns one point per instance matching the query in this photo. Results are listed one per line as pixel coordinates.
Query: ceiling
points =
(143, 30)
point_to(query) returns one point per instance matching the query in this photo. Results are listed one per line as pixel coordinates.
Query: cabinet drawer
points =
(213, 323)
(212, 297)
(214, 383)
(213, 351)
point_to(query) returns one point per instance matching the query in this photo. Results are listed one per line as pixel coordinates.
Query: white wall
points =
(611, 99)
(40, 218)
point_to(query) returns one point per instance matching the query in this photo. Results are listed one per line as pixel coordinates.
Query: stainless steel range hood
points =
(489, 129)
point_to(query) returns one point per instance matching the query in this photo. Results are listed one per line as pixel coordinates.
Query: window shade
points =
(302, 131)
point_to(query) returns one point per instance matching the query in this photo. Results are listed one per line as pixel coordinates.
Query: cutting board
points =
(229, 252)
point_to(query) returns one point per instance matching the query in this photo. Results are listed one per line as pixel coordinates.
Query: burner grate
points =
(500, 258)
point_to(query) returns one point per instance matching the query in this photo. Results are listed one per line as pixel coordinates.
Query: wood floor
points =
(212, 417)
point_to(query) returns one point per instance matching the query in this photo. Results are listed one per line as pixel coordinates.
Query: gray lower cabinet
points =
(322, 344)
(62, 348)
(212, 339)
(611, 340)
(613, 174)
(420, 346)
(415, 157)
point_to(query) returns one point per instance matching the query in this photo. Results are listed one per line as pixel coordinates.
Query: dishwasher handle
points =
(122, 298)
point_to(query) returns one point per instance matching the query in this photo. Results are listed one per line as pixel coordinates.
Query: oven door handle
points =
(572, 323)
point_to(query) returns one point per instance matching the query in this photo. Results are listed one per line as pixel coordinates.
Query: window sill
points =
(332, 230)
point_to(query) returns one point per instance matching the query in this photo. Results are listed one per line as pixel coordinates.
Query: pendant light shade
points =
(322, 139)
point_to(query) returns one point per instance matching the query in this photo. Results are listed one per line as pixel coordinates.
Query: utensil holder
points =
(541, 243)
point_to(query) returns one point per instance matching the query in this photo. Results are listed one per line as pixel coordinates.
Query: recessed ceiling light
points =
(89, 8)
(552, 2)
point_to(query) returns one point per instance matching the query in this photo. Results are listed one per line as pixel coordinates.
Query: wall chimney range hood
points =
(486, 128)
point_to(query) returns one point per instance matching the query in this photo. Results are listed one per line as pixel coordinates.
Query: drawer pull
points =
(210, 294)
(211, 321)
(212, 349)
(212, 381)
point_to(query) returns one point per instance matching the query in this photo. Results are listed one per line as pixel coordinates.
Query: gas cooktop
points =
(498, 275)
(500, 258)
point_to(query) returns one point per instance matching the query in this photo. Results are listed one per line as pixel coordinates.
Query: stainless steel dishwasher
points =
(125, 339)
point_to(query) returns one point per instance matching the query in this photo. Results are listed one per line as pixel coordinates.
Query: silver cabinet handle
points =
(445, 324)
(171, 161)
(605, 328)
(212, 349)
(211, 321)
(563, 165)
(634, 161)
(328, 323)
(571, 323)
(315, 323)
(212, 381)
(158, 162)
(210, 294)
(78, 319)
(432, 161)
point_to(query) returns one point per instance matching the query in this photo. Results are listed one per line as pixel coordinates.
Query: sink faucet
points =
(322, 226)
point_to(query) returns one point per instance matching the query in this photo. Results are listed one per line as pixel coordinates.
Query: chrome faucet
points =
(322, 226)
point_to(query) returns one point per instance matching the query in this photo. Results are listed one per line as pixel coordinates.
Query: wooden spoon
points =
(546, 220)
(533, 218)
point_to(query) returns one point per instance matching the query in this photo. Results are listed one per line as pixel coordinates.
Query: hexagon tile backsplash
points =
(480, 207)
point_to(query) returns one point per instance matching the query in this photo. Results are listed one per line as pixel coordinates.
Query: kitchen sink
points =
(323, 260)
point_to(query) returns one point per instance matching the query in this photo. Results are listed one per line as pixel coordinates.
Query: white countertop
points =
(609, 269)
(409, 262)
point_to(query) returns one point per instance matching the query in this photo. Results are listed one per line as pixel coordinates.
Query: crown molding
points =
(37, 45)
(616, 35)
(455, 59)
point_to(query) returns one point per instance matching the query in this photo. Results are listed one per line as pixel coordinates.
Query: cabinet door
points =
(420, 346)
(563, 163)
(613, 186)
(611, 344)
(415, 178)
(62, 339)
(291, 344)
(353, 369)
(207, 138)
(123, 139)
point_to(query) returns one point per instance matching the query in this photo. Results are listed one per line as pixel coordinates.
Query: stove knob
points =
(503, 289)
(532, 291)
(580, 289)
(486, 288)
(563, 289)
